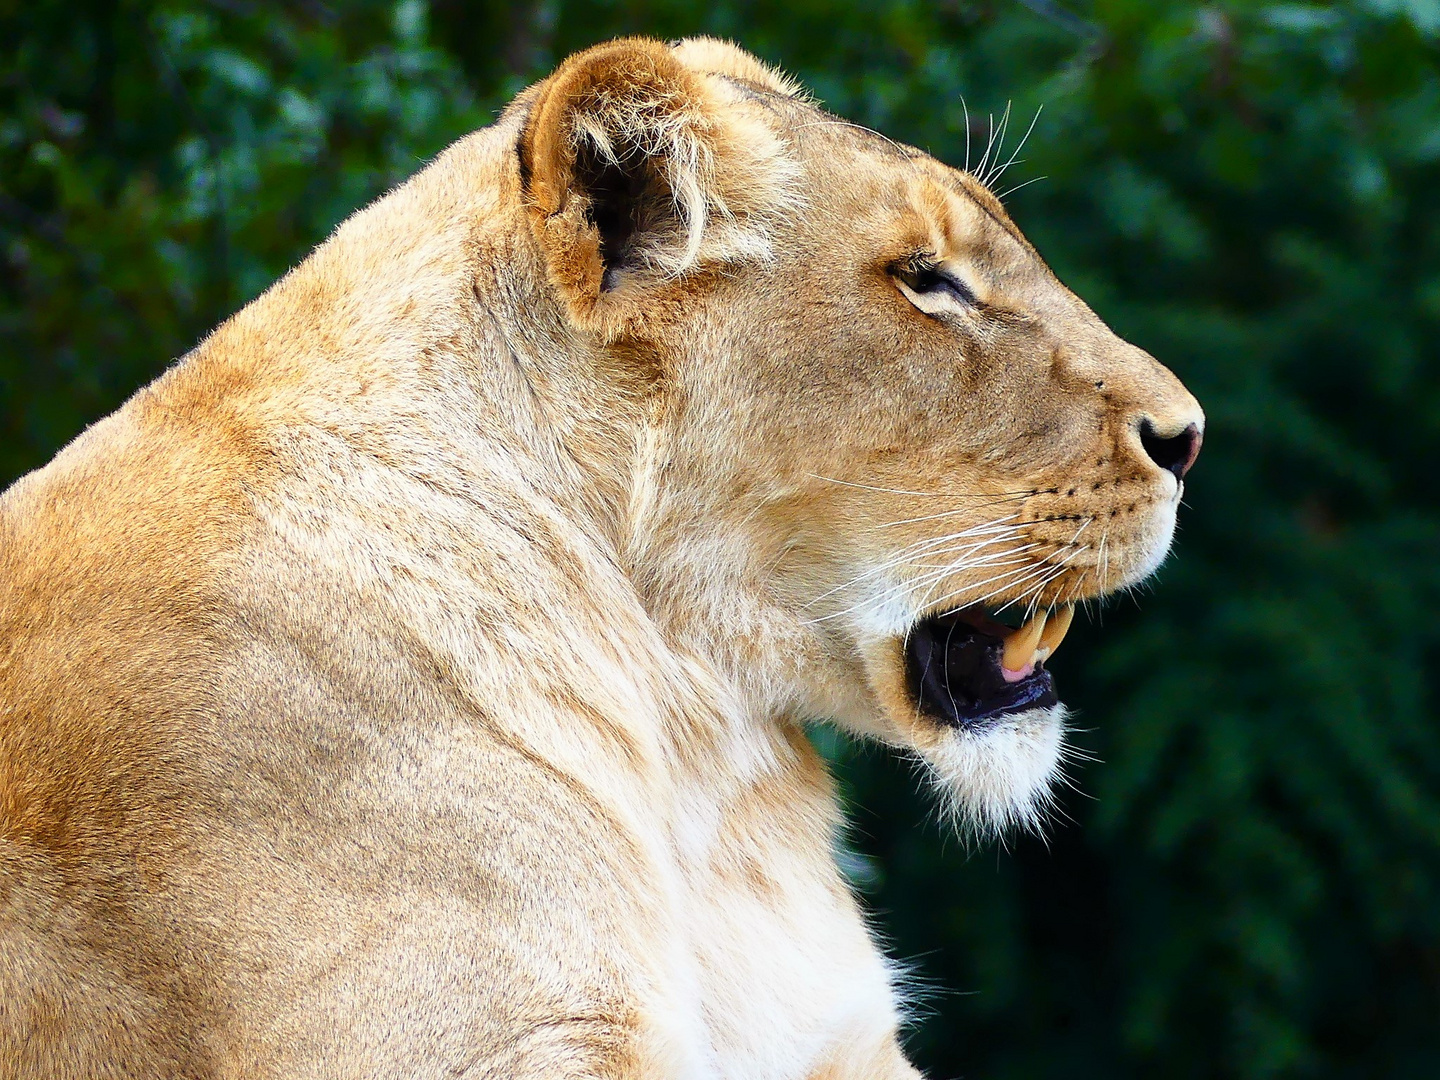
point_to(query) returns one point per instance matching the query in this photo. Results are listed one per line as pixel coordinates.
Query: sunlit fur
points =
(414, 680)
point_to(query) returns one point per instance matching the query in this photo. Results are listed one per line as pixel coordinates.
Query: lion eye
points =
(929, 287)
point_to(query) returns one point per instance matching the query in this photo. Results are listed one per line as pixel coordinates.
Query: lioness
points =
(410, 683)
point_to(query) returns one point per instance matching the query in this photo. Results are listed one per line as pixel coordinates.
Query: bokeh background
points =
(1247, 881)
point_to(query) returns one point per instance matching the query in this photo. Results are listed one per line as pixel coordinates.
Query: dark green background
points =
(1249, 884)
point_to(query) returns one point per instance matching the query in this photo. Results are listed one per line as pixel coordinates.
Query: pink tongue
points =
(1016, 676)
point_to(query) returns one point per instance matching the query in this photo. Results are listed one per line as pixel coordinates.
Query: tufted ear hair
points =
(638, 168)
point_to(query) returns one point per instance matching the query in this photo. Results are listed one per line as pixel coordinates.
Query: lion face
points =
(885, 451)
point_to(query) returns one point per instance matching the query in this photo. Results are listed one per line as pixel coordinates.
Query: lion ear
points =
(637, 168)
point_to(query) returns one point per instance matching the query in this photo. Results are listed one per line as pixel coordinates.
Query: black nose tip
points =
(1177, 453)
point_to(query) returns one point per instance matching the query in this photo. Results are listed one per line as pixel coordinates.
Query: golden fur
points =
(410, 683)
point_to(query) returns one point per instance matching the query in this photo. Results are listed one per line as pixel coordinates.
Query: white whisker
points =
(966, 109)
(1044, 569)
(1026, 575)
(1012, 159)
(1008, 497)
(1011, 191)
(993, 532)
(961, 566)
(989, 142)
(1057, 570)
(927, 604)
(999, 143)
(895, 591)
(922, 494)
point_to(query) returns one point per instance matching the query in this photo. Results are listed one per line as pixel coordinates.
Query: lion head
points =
(874, 451)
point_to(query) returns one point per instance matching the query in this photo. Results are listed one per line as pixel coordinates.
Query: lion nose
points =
(1173, 452)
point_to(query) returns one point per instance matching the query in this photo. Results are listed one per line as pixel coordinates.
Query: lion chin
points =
(999, 777)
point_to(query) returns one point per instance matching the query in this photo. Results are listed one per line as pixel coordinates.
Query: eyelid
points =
(928, 300)
(966, 293)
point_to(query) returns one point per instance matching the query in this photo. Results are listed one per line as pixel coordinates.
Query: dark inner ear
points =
(626, 203)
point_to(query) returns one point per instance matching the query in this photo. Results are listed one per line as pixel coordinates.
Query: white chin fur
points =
(1158, 547)
(999, 777)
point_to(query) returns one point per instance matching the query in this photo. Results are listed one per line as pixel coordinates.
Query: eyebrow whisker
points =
(1011, 191)
(1020, 146)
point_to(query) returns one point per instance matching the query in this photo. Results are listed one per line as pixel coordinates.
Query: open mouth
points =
(966, 668)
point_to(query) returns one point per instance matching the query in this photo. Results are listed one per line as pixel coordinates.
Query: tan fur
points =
(411, 682)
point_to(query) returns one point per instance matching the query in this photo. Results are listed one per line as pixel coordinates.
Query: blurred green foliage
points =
(1250, 886)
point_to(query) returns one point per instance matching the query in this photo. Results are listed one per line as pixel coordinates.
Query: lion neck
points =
(449, 363)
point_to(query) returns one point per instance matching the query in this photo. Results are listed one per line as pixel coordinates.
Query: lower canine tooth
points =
(1020, 646)
(1054, 633)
